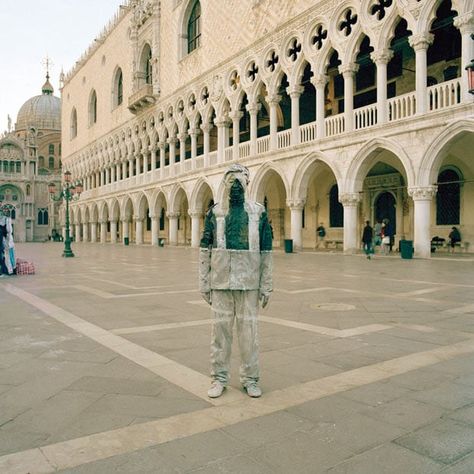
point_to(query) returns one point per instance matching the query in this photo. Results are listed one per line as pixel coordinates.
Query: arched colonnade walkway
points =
(381, 180)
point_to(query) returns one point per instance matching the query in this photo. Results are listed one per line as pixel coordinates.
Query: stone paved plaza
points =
(367, 367)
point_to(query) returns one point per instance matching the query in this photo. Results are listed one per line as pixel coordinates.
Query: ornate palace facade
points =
(344, 111)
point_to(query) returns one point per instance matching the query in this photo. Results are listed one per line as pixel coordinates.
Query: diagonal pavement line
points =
(188, 379)
(342, 333)
(469, 308)
(96, 447)
(423, 291)
(159, 327)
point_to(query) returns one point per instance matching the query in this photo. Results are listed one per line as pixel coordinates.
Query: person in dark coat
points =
(454, 237)
(367, 239)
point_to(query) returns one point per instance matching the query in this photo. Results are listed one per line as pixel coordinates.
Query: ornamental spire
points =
(47, 88)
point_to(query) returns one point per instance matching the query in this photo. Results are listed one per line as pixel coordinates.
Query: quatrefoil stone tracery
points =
(272, 61)
(252, 72)
(294, 50)
(350, 19)
(234, 80)
(379, 8)
(318, 38)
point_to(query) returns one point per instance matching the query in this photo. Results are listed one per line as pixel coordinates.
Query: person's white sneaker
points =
(216, 389)
(253, 390)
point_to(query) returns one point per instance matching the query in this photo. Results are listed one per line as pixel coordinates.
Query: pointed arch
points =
(365, 158)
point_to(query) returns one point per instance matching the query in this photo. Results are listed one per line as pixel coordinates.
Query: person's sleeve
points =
(205, 254)
(266, 256)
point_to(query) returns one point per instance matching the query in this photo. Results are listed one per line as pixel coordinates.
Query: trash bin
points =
(161, 242)
(406, 248)
(288, 246)
(126, 241)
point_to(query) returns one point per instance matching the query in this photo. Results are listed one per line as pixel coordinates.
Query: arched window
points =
(73, 123)
(118, 88)
(43, 218)
(28, 190)
(41, 162)
(51, 162)
(51, 149)
(93, 108)
(336, 211)
(194, 27)
(448, 198)
(162, 219)
(145, 65)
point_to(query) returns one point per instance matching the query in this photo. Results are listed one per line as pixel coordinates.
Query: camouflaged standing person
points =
(235, 274)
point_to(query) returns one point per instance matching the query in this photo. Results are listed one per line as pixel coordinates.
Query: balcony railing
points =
(334, 125)
(284, 138)
(365, 116)
(445, 94)
(308, 132)
(141, 99)
(402, 107)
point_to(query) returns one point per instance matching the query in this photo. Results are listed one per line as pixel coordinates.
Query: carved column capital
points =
(206, 127)
(236, 115)
(422, 193)
(273, 99)
(320, 81)
(382, 56)
(465, 23)
(349, 69)
(295, 91)
(296, 204)
(195, 214)
(172, 215)
(253, 108)
(172, 140)
(421, 41)
(349, 199)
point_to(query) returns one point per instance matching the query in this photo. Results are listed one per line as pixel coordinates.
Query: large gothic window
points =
(448, 198)
(336, 211)
(145, 65)
(43, 217)
(93, 108)
(118, 88)
(194, 27)
(73, 123)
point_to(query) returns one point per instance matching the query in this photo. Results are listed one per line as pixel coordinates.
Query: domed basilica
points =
(30, 158)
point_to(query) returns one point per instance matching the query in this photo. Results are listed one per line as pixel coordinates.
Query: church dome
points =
(42, 111)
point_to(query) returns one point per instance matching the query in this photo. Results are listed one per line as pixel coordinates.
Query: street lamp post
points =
(68, 192)
(470, 73)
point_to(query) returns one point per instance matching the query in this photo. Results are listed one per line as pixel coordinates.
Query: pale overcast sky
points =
(32, 29)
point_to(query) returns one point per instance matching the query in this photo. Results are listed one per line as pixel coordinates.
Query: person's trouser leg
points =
(221, 339)
(246, 310)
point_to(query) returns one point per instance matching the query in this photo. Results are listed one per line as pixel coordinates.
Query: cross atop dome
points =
(47, 88)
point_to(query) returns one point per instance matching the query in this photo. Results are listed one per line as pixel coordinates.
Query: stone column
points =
(137, 163)
(124, 169)
(295, 93)
(206, 128)
(162, 146)
(77, 233)
(182, 147)
(348, 71)
(93, 232)
(107, 176)
(154, 229)
(273, 101)
(113, 231)
(172, 151)
(130, 166)
(422, 197)
(138, 230)
(85, 234)
(296, 208)
(420, 44)
(381, 59)
(350, 201)
(125, 229)
(235, 117)
(253, 111)
(319, 82)
(193, 133)
(173, 227)
(112, 174)
(221, 125)
(195, 228)
(465, 25)
(103, 232)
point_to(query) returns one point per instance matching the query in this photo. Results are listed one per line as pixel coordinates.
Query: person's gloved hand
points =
(264, 299)
(207, 297)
